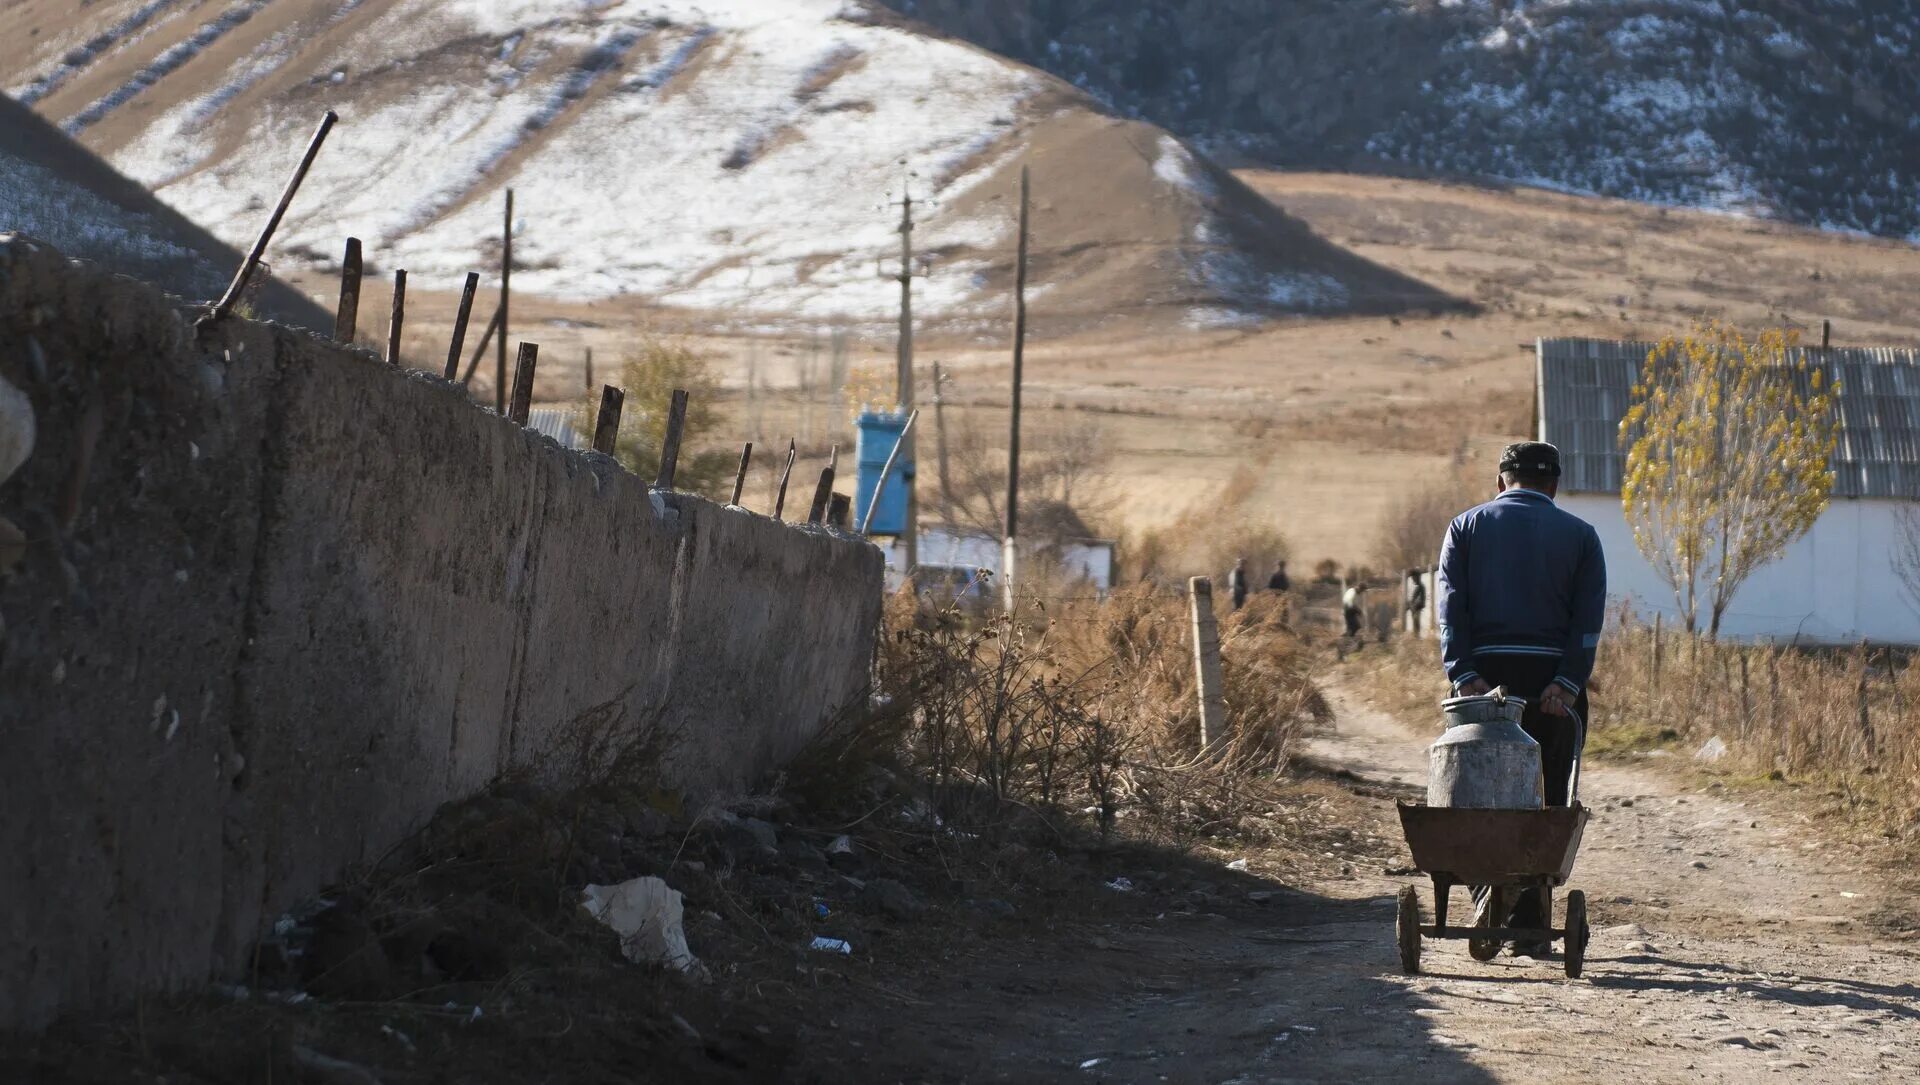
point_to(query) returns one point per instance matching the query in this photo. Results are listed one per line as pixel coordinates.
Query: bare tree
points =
(1058, 466)
(1417, 521)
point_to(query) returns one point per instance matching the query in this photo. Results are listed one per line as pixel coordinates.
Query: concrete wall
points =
(278, 602)
(1834, 585)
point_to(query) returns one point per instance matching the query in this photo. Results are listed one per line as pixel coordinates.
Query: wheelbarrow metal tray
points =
(1494, 847)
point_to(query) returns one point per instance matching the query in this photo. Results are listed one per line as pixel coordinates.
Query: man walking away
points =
(1353, 607)
(1416, 601)
(1523, 594)
(1237, 583)
(1278, 581)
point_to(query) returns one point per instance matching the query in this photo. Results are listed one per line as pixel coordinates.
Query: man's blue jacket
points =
(1520, 576)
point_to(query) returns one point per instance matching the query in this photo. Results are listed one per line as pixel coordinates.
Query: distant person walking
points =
(1353, 606)
(1237, 583)
(1416, 601)
(1278, 581)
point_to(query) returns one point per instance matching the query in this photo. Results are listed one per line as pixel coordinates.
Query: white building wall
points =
(1834, 585)
(1090, 559)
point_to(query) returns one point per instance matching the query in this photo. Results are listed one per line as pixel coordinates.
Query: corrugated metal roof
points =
(557, 423)
(1586, 385)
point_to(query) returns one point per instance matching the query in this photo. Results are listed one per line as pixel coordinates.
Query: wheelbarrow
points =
(1506, 850)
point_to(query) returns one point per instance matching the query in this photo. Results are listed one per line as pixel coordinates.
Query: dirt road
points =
(1728, 942)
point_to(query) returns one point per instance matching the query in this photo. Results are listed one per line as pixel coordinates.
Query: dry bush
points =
(1089, 706)
(520, 840)
(1418, 519)
(649, 377)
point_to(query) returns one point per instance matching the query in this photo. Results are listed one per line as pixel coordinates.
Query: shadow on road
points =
(1896, 999)
(1299, 987)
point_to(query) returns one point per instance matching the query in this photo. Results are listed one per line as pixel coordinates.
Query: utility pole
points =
(1007, 548)
(940, 433)
(910, 548)
(506, 288)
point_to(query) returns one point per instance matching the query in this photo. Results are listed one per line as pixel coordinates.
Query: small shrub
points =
(649, 377)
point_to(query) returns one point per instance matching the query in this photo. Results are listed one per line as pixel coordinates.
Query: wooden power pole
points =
(910, 548)
(940, 434)
(506, 289)
(1007, 547)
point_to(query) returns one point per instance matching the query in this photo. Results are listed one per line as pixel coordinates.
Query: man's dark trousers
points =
(1559, 737)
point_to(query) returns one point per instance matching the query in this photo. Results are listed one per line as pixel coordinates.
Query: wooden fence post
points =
(1656, 656)
(606, 428)
(460, 319)
(1206, 663)
(740, 479)
(839, 511)
(1746, 709)
(1866, 718)
(821, 495)
(347, 316)
(238, 287)
(506, 292)
(670, 447)
(399, 317)
(1773, 699)
(523, 367)
(786, 473)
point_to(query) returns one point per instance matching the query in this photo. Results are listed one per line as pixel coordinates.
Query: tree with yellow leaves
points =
(1729, 445)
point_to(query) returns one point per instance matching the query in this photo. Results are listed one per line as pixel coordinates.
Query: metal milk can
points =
(1485, 761)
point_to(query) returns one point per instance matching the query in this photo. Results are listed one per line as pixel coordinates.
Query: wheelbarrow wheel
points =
(1576, 940)
(1408, 927)
(1495, 914)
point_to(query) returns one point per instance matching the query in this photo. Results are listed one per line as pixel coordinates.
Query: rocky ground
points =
(1735, 933)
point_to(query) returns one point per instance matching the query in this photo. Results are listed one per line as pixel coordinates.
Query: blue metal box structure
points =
(878, 432)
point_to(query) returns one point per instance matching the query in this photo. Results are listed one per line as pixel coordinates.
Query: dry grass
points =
(1836, 718)
(1080, 709)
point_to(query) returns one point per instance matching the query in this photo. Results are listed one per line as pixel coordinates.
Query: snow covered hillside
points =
(733, 157)
(57, 191)
(1807, 112)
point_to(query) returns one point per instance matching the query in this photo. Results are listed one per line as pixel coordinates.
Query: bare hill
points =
(1774, 107)
(53, 189)
(729, 155)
